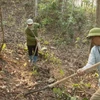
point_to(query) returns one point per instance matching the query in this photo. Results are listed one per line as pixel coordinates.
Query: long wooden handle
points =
(92, 67)
(59, 81)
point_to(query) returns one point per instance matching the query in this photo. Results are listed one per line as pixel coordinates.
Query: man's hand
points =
(80, 71)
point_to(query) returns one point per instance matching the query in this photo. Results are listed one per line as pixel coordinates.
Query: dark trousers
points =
(32, 49)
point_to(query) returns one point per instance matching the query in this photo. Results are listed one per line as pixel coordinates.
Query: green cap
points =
(94, 32)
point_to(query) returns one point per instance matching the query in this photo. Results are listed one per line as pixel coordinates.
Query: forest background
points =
(64, 27)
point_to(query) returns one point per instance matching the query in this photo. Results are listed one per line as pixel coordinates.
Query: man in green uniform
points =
(32, 39)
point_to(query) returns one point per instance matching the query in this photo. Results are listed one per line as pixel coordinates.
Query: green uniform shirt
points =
(31, 33)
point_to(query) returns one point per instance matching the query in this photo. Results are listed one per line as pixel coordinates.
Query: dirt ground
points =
(17, 77)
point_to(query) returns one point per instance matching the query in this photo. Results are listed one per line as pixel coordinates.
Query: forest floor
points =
(57, 62)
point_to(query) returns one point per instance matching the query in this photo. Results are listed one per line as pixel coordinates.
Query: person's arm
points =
(91, 59)
(36, 27)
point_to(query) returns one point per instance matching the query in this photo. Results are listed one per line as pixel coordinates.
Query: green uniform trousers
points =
(96, 95)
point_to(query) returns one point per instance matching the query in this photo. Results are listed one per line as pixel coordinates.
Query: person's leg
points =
(96, 95)
(30, 53)
(35, 53)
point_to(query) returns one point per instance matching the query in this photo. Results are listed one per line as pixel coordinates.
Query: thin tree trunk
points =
(36, 8)
(63, 8)
(98, 14)
(2, 30)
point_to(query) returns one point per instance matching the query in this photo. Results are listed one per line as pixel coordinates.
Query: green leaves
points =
(61, 72)
(63, 96)
(57, 91)
(76, 85)
(4, 46)
(73, 98)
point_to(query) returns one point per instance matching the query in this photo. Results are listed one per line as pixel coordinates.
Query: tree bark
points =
(98, 14)
(36, 8)
(2, 31)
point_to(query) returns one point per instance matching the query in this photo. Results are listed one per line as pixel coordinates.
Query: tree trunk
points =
(36, 8)
(98, 14)
(1, 44)
(63, 6)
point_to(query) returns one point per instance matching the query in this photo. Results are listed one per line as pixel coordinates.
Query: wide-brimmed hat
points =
(94, 32)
